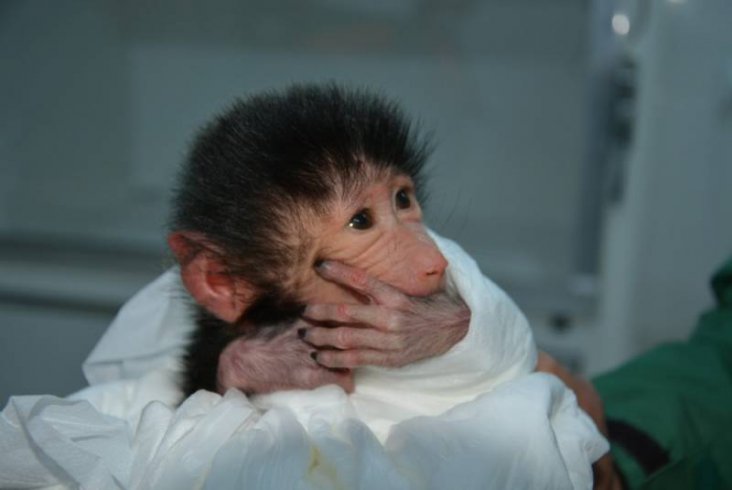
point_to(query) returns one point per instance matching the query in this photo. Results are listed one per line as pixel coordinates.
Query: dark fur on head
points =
(253, 170)
(261, 168)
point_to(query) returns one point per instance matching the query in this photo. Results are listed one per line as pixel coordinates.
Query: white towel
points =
(476, 417)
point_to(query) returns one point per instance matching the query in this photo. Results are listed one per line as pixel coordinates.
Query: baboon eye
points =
(402, 199)
(361, 220)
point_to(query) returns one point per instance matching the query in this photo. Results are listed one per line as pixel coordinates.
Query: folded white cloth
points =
(476, 417)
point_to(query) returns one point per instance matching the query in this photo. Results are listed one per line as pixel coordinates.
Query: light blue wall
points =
(673, 227)
(102, 98)
(105, 96)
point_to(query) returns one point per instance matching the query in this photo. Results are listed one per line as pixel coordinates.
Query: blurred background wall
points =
(584, 150)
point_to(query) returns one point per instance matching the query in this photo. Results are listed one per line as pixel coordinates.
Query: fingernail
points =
(301, 332)
(314, 355)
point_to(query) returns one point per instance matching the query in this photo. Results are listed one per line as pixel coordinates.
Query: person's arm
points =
(606, 477)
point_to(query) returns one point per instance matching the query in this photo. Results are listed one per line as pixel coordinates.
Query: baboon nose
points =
(436, 266)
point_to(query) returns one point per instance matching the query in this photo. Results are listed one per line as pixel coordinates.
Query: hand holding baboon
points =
(390, 329)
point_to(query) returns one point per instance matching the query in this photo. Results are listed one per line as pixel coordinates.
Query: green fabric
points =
(681, 395)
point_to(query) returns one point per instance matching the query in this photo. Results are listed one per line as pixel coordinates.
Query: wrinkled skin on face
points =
(377, 299)
(380, 232)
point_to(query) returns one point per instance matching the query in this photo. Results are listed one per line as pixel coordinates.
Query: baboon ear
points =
(205, 277)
